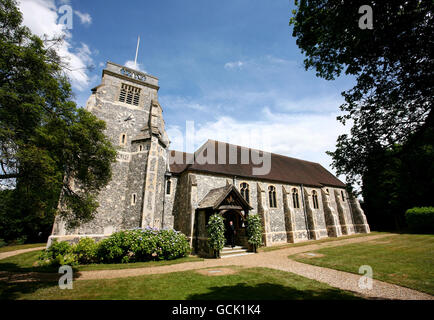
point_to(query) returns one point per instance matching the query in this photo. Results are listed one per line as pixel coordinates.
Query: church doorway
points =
(239, 224)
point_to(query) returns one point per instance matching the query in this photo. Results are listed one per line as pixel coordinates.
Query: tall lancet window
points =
(315, 200)
(343, 196)
(129, 94)
(295, 198)
(272, 196)
(168, 186)
(244, 190)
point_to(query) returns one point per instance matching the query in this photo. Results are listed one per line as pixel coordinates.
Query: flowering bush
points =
(172, 244)
(254, 230)
(216, 233)
(121, 247)
(143, 245)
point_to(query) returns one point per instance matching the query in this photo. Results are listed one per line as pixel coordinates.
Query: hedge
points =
(420, 219)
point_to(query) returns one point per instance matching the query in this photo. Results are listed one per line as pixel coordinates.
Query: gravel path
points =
(4, 255)
(277, 259)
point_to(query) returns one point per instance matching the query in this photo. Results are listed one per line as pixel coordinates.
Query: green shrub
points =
(2, 243)
(254, 230)
(216, 233)
(172, 244)
(58, 254)
(86, 250)
(18, 241)
(59, 248)
(121, 247)
(111, 250)
(143, 245)
(420, 219)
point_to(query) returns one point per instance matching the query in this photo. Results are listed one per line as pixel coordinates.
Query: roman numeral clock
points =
(126, 120)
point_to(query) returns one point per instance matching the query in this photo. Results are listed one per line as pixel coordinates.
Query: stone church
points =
(154, 186)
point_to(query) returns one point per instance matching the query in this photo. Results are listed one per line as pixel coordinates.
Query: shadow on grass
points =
(266, 291)
(14, 291)
(16, 268)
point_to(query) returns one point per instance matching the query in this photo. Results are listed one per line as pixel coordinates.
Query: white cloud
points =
(267, 61)
(132, 65)
(85, 18)
(181, 103)
(41, 16)
(234, 65)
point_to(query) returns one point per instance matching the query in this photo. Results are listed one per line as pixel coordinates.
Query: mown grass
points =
(405, 259)
(300, 244)
(26, 262)
(251, 284)
(21, 246)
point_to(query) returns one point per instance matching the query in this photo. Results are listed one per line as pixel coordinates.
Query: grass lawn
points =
(21, 246)
(304, 243)
(252, 283)
(25, 262)
(406, 259)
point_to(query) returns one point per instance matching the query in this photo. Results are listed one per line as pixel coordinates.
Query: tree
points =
(48, 146)
(393, 65)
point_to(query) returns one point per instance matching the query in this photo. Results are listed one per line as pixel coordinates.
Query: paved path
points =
(276, 259)
(4, 255)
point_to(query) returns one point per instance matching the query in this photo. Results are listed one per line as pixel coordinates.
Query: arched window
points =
(315, 199)
(244, 190)
(343, 196)
(140, 148)
(133, 199)
(168, 186)
(295, 198)
(272, 196)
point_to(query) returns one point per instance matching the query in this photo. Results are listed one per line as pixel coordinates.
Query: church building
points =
(153, 186)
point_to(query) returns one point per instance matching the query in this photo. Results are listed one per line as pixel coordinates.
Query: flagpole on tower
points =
(137, 52)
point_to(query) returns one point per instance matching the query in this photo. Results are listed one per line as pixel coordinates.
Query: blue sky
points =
(232, 67)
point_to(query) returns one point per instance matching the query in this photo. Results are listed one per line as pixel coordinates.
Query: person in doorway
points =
(232, 233)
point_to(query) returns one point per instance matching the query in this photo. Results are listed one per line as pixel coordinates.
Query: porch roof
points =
(215, 198)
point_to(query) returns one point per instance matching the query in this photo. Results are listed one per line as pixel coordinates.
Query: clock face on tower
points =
(126, 119)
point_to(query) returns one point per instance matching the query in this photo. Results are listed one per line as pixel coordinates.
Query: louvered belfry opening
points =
(129, 94)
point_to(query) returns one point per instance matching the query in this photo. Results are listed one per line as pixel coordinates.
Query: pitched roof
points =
(215, 197)
(283, 169)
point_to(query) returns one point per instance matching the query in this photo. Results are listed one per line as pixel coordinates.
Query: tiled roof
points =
(283, 169)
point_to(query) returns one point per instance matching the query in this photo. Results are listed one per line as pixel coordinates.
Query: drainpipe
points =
(305, 213)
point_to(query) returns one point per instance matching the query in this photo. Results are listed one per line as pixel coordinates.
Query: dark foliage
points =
(389, 151)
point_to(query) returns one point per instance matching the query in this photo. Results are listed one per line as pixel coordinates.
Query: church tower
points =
(127, 100)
